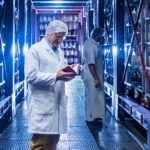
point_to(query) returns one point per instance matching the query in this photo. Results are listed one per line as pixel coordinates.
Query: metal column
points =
(118, 51)
(100, 12)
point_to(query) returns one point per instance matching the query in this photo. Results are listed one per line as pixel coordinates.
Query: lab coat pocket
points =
(44, 104)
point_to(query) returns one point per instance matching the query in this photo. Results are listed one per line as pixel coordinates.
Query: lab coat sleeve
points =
(32, 73)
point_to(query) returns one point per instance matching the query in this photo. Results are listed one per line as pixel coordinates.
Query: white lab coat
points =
(94, 97)
(46, 96)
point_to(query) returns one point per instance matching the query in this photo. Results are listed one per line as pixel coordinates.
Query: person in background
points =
(93, 77)
(44, 64)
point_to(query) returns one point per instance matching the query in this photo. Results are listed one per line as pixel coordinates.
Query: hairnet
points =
(56, 26)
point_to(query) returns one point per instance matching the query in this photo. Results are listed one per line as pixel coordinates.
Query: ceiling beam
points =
(60, 2)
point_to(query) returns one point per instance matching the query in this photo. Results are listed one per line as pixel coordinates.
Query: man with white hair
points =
(44, 64)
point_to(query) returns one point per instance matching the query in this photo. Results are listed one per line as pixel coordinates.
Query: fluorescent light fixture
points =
(13, 49)
(115, 49)
(58, 2)
(3, 44)
(25, 49)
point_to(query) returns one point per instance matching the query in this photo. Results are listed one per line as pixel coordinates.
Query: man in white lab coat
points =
(93, 77)
(47, 117)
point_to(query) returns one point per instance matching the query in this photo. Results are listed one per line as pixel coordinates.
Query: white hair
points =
(56, 26)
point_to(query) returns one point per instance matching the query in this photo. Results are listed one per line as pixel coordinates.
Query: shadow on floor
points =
(95, 128)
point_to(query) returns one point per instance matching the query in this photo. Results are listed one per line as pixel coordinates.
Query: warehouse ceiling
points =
(59, 5)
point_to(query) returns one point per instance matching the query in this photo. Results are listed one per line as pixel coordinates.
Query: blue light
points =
(58, 2)
(115, 50)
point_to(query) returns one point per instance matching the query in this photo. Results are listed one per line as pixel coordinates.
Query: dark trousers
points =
(44, 142)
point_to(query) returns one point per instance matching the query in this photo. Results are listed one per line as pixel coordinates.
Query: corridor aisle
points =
(110, 135)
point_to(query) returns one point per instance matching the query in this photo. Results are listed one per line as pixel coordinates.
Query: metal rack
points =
(136, 74)
(12, 42)
(135, 100)
(108, 54)
(126, 58)
(126, 55)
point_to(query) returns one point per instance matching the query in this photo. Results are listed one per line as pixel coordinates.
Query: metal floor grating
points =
(110, 135)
